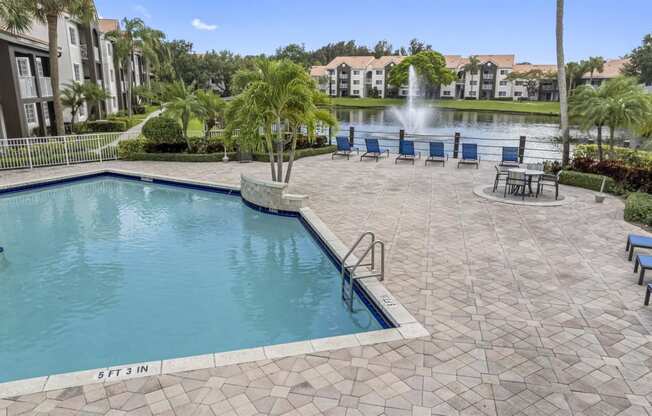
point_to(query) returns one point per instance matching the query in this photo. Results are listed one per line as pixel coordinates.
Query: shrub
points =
(106, 126)
(163, 130)
(631, 178)
(138, 109)
(587, 180)
(631, 157)
(638, 208)
(128, 148)
(204, 145)
(182, 157)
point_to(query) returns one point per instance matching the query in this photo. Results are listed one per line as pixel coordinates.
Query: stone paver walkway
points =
(532, 310)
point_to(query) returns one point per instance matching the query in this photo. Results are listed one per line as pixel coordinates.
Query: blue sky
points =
(524, 27)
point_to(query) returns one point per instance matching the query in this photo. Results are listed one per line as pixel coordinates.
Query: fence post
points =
(330, 137)
(65, 147)
(456, 145)
(521, 149)
(99, 147)
(29, 154)
(401, 134)
(351, 135)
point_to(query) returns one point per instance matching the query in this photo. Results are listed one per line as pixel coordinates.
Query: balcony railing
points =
(45, 83)
(96, 51)
(27, 87)
(487, 86)
(487, 76)
(83, 50)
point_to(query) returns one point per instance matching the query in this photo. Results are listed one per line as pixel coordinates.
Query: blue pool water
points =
(107, 271)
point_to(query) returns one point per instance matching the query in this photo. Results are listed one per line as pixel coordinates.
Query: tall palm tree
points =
(595, 63)
(125, 42)
(15, 15)
(182, 103)
(472, 67)
(156, 52)
(48, 12)
(561, 81)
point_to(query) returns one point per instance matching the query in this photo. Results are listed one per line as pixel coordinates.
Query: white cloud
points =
(199, 25)
(142, 10)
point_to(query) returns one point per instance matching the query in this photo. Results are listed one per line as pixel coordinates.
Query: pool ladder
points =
(352, 268)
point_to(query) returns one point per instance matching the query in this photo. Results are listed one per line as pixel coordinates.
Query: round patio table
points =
(529, 174)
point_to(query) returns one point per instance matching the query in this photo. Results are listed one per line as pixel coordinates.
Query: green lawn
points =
(530, 107)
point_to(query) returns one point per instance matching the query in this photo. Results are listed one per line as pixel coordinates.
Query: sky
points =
(523, 27)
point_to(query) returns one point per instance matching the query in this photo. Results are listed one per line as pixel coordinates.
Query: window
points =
(112, 74)
(446, 93)
(379, 82)
(504, 71)
(356, 82)
(30, 113)
(503, 83)
(518, 83)
(39, 67)
(356, 72)
(379, 72)
(109, 48)
(473, 82)
(517, 93)
(502, 94)
(23, 67)
(76, 72)
(472, 93)
(82, 110)
(46, 114)
(356, 92)
(73, 35)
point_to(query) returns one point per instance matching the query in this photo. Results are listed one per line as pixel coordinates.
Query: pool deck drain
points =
(405, 325)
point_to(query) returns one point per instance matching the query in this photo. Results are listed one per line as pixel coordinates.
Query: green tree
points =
(182, 104)
(382, 48)
(72, 97)
(295, 53)
(472, 68)
(126, 41)
(430, 65)
(156, 54)
(640, 61)
(574, 73)
(94, 96)
(212, 109)
(595, 64)
(15, 15)
(48, 12)
(417, 46)
(531, 79)
(561, 81)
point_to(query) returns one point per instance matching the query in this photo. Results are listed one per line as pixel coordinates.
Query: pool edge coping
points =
(406, 326)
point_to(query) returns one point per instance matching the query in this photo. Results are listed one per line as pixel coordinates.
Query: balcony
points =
(486, 87)
(83, 50)
(96, 51)
(45, 84)
(27, 87)
(487, 76)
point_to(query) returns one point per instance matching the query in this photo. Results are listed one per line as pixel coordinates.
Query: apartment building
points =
(85, 55)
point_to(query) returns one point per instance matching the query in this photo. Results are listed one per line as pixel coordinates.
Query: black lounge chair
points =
(373, 150)
(469, 155)
(510, 157)
(406, 151)
(437, 153)
(344, 148)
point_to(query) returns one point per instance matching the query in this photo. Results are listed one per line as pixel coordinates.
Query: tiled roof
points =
(318, 71)
(108, 25)
(352, 61)
(531, 67)
(501, 61)
(612, 69)
(383, 61)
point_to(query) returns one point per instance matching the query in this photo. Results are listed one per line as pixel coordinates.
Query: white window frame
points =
(32, 106)
(39, 67)
(77, 72)
(502, 93)
(24, 59)
(73, 36)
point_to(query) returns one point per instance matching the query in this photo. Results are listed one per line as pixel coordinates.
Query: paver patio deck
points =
(532, 310)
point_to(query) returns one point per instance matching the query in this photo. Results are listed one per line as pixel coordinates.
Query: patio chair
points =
(645, 263)
(510, 157)
(637, 241)
(344, 148)
(437, 153)
(469, 155)
(501, 175)
(551, 180)
(406, 151)
(515, 182)
(648, 292)
(373, 150)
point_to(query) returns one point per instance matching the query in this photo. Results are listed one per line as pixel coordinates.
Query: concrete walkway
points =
(532, 310)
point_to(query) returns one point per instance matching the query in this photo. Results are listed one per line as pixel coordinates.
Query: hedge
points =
(629, 178)
(163, 130)
(264, 157)
(106, 126)
(638, 208)
(133, 150)
(630, 157)
(587, 181)
(127, 148)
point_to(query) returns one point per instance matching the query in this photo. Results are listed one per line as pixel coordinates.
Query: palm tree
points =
(472, 67)
(156, 52)
(15, 15)
(595, 63)
(73, 97)
(587, 106)
(212, 109)
(125, 42)
(561, 81)
(182, 103)
(574, 72)
(94, 95)
(48, 12)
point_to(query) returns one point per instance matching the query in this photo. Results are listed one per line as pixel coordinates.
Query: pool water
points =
(107, 271)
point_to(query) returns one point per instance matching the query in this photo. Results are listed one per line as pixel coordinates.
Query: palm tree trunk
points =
(292, 151)
(270, 149)
(279, 151)
(612, 132)
(599, 140)
(53, 49)
(129, 86)
(73, 113)
(561, 82)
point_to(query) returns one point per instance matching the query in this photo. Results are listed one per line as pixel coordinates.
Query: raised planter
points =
(270, 195)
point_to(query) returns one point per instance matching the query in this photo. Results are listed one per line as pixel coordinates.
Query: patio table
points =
(529, 175)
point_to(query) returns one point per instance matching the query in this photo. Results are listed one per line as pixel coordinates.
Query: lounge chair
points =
(469, 155)
(437, 153)
(637, 241)
(373, 150)
(406, 151)
(510, 157)
(645, 263)
(344, 148)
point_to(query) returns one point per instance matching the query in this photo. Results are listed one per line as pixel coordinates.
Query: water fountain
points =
(413, 115)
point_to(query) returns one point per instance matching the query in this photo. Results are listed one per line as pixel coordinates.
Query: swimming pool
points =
(108, 270)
